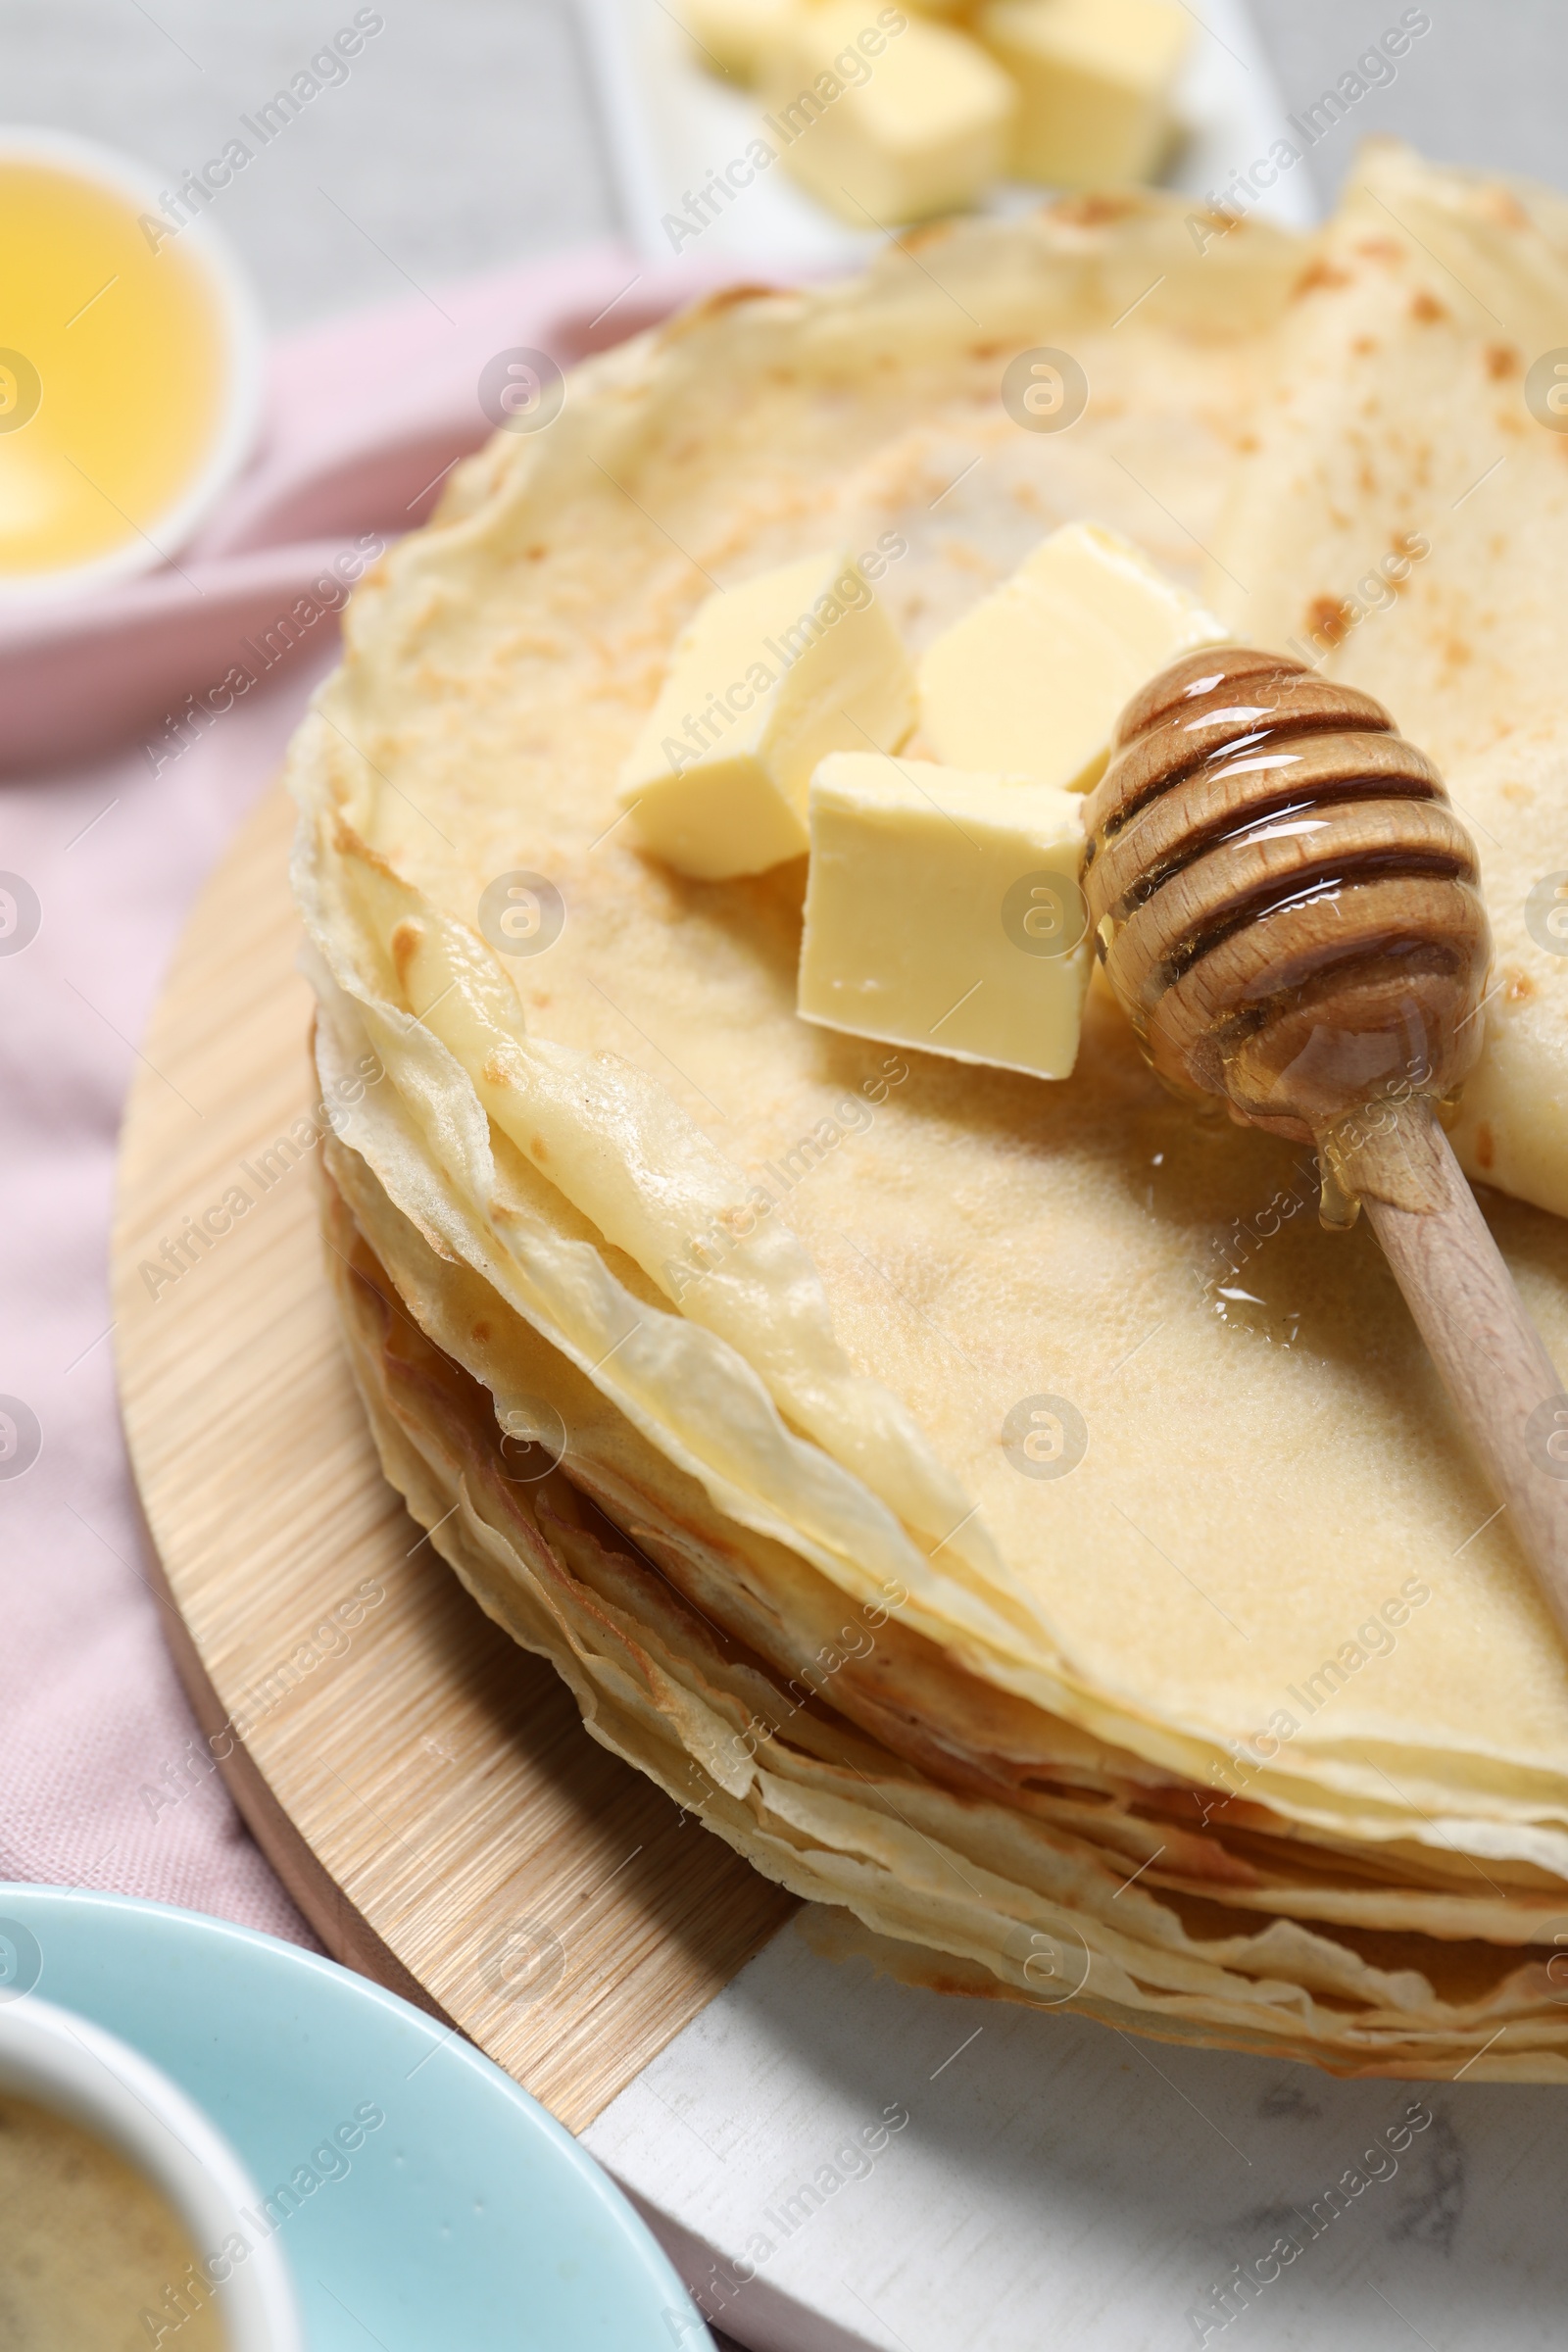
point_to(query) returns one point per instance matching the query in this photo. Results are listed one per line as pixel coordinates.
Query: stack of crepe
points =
(715, 1348)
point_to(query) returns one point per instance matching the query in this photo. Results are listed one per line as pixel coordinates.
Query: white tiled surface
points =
(1483, 87)
(468, 134)
(463, 137)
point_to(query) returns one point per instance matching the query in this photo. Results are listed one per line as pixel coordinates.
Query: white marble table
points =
(1059, 2184)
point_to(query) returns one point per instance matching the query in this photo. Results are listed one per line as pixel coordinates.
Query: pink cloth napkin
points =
(104, 1782)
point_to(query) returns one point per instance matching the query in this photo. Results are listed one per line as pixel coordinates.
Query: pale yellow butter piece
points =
(738, 37)
(766, 678)
(1093, 80)
(917, 124)
(1032, 681)
(943, 911)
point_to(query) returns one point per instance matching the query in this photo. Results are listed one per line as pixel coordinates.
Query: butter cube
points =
(766, 679)
(1032, 681)
(1094, 81)
(887, 125)
(943, 911)
(737, 37)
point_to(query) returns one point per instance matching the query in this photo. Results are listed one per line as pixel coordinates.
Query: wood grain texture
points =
(424, 1788)
(1492, 1359)
(1286, 903)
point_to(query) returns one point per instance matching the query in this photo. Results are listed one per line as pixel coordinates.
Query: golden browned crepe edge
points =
(1422, 2054)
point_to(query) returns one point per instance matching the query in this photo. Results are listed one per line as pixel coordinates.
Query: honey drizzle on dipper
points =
(1283, 898)
(1287, 907)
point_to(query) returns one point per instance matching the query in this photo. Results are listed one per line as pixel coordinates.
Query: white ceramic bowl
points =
(60, 2061)
(240, 326)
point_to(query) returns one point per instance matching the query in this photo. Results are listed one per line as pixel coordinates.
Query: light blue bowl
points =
(467, 2218)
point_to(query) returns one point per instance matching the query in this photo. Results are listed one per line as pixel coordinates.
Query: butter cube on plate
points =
(1093, 80)
(943, 911)
(737, 37)
(886, 125)
(1033, 680)
(766, 678)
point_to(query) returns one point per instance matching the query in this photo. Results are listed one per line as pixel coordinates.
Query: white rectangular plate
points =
(671, 124)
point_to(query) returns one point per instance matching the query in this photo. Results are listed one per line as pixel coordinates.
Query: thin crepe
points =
(813, 1279)
(832, 1817)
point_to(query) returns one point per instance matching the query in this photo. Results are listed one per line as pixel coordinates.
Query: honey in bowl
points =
(89, 2249)
(126, 369)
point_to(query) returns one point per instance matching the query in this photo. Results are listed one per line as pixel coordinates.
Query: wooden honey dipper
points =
(1287, 907)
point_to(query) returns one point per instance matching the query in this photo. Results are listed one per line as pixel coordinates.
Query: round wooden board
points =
(423, 1787)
